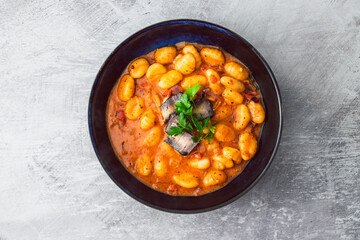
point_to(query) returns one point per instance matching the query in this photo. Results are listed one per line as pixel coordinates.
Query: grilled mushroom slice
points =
(203, 108)
(173, 122)
(182, 143)
(168, 107)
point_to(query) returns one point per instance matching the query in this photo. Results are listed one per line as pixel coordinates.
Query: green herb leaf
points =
(205, 122)
(182, 119)
(185, 100)
(191, 91)
(175, 131)
(179, 104)
(196, 139)
(209, 136)
(180, 107)
(197, 123)
(188, 112)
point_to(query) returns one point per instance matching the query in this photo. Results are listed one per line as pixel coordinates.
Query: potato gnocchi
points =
(212, 56)
(165, 55)
(141, 110)
(170, 79)
(138, 68)
(155, 71)
(185, 64)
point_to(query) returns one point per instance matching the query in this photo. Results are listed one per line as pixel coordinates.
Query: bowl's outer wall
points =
(165, 34)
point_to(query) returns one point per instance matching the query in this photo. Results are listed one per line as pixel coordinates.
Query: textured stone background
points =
(51, 183)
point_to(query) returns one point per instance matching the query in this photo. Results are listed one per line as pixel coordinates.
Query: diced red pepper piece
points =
(213, 79)
(166, 93)
(120, 115)
(204, 67)
(250, 95)
(173, 189)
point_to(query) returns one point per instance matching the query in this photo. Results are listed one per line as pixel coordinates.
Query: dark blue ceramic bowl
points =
(160, 35)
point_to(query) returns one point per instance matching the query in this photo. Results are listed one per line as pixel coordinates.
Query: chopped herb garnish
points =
(188, 120)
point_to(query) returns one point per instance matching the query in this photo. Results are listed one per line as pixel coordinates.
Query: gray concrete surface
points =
(51, 183)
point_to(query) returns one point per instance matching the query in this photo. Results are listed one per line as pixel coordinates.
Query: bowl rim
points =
(228, 32)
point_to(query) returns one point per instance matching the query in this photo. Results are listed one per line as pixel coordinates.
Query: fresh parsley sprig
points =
(187, 119)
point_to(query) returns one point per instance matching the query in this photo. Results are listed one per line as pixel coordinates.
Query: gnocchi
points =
(192, 80)
(203, 163)
(220, 158)
(218, 165)
(242, 117)
(214, 81)
(138, 68)
(185, 64)
(160, 165)
(153, 137)
(213, 146)
(134, 108)
(212, 56)
(214, 177)
(232, 153)
(167, 150)
(257, 112)
(248, 146)
(143, 165)
(232, 97)
(170, 79)
(191, 49)
(223, 112)
(236, 70)
(165, 55)
(157, 100)
(225, 162)
(232, 83)
(224, 133)
(147, 120)
(186, 180)
(155, 71)
(229, 164)
(126, 88)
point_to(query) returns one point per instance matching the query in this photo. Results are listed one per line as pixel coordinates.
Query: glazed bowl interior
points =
(164, 34)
